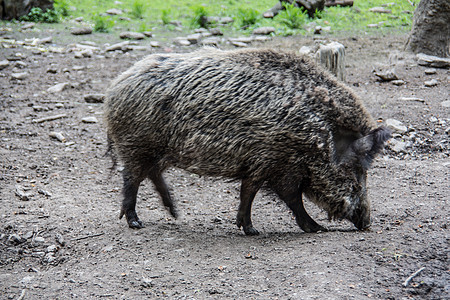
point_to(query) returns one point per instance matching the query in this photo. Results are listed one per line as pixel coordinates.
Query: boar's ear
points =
(366, 148)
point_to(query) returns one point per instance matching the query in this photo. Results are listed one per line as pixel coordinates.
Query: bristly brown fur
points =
(240, 114)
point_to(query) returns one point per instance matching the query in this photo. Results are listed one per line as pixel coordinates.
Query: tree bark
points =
(430, 33)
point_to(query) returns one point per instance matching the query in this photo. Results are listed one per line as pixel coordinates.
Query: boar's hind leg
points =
(130, 189)
(160, 185)
(292, 196)
(248, 192)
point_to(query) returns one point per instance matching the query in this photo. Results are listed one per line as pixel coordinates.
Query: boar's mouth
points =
(360, 219)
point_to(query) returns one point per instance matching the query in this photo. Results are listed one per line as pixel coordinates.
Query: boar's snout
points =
(361, 218)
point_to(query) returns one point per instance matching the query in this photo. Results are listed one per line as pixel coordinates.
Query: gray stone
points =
(387, 75)
(212, 41)
(180, 41)
(380, 10)
(114, 12)
(398, 146)
(216, 31)
(264, 30)
(132, 35)
(431, 83)
(226, 20)
(396, 125)
(239, 44)
(89, 120)
(398, 82)
(432, 61)
(155, 44)
(194, 38)
(94, 98)
(430, 71)
(19, 76)
(58, 88)
(124, 46)
(81, 30)
(4, 64)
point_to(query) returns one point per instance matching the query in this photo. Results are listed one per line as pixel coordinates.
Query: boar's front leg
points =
(291, 194)
(249, 189)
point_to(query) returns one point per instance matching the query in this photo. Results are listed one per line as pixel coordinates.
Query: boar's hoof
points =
(250, 230)
(135, 224)
(312, 227)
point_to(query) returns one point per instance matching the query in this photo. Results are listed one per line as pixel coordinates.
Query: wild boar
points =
(258, 116)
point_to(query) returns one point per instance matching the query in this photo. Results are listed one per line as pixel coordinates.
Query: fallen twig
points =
(87, 236)
(405, 284)
(51, 118)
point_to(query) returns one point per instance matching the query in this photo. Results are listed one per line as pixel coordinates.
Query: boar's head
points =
(341, 189)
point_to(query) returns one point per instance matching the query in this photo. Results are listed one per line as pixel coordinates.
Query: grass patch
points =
(248, 14)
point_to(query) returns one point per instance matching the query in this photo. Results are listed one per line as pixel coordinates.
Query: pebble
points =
(398, 146)
(380, 10)
(58, 88)
(114, 12)
(16, 239)
(430, 71)
(94, 98)
(155, 44)
(431, 83)
(22, 193)
(239, 44)
(264, 30)
(81, 31)
(39, 240)
(388, 75)
(4, 64)
(132, 35)
(216, 31)
(89, 120)
(19, 76)
(432, 61)
(194, 38)
(181, 41)
(398, 82)
(57, 135)
(212, 41)
(124, 46)
(396, 125)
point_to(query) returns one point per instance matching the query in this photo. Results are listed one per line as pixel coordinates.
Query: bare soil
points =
(60, 236)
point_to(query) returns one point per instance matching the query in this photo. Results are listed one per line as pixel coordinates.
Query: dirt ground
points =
(60, 236)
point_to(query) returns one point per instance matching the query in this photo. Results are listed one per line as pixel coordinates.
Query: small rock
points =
(81, 31)
(124, 46)
(94, 98)
(194, 38)
(397, 146)
(412, 99)
(396, 125)
(380, 10)
(388, 75)
(432, 61)
(146, 282)
(226, 20)
(239, 44)
(79, 19)
(372, 25)
(52, 249)
(212, 41)
(58, 88)
(28, 26)
(431, 83)
(132, 35)
(16, 239)
(114, 12)
(89, 120)
(430, 71)
(19, 76)
(44, 192)
(215, 31)
(22, 194)
(46, 40)
(264, 30)
(147, 33)
(60, 239)
(318, 30)
(244, 39)
(57, 135)
(268, 15)
(4, 64)
(49, 257)
(28, 235)
(398, 82)
(155, 44)
(181, 42)
(39, 240)
(52, 70)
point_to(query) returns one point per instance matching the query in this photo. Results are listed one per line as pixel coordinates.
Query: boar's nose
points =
(361, 220)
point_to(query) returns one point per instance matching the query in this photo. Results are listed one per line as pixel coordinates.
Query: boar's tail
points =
(110, 152)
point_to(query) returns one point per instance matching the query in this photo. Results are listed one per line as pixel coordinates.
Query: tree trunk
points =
(309, 5)
(14, 9)
(430, 32)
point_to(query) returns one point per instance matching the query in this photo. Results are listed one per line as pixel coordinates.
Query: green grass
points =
(247, 15)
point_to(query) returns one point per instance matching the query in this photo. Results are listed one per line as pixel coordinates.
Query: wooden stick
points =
(51, 118)
(86, 237)
(405, 284)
